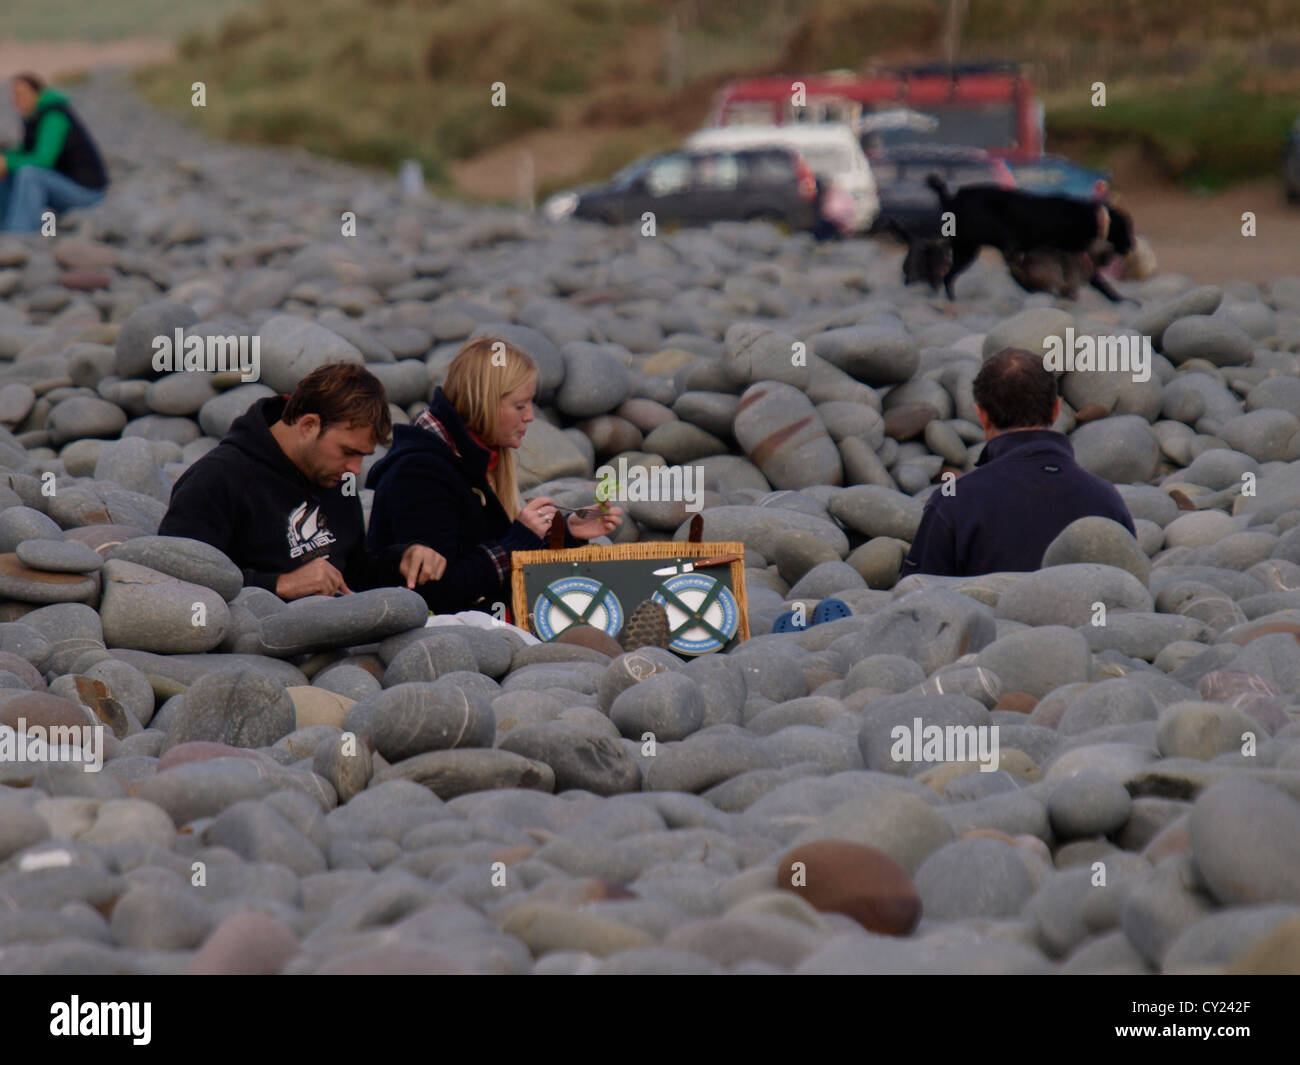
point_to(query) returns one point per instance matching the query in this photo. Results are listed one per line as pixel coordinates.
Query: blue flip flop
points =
(785, 623)
(831, 610)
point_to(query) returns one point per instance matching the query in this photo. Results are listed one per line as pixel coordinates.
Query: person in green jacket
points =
(57, 166)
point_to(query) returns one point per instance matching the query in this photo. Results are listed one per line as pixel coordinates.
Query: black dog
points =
(928, 258)
(1058, 272)
(1017, 222)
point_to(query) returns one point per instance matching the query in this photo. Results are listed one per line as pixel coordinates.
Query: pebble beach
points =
(329, 786)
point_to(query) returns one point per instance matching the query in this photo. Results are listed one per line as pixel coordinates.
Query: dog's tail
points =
(937, 183)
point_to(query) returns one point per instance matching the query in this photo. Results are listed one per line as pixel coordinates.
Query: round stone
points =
(1121, 449)
(837, 876)
(974, 878)
(1088, 804)
(1101, 540)
(412, 719)
(23, 523)
(1246, 843)
(1214, 339)
(239, 708)
(779, 430)
(135, 348)
(670, 706)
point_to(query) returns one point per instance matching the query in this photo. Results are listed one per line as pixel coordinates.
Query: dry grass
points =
(376, 81)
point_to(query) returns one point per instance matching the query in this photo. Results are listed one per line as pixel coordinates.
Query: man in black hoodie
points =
(279, 494)
(1026, 486)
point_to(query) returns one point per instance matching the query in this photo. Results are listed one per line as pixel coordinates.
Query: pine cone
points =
(646, 626)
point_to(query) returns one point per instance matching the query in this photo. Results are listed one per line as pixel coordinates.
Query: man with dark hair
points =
(279, 493)
(57, 166)
(1026, 486)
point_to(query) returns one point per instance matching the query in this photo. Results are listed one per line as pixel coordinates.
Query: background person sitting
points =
(1026, 487)
(57, 166)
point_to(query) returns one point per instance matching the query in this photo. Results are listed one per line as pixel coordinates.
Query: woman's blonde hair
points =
(483, 373)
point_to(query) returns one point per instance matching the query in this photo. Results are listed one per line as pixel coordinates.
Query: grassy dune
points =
(109, 20)
(376, 81)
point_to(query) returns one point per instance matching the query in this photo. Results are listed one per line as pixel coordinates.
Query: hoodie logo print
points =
(307, 531)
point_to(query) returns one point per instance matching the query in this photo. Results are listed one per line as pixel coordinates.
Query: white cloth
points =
(480, 620)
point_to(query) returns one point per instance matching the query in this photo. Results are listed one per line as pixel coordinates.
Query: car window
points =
(629, 173)
(769, 168)
(717, 171)
(668, 175)
(827, 160)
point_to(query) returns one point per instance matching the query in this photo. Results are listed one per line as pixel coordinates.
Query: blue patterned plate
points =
(702, 595)
(583, 602)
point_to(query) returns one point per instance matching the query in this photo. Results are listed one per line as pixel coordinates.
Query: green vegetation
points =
(110, 20)
(377, 81)
(1205, 136)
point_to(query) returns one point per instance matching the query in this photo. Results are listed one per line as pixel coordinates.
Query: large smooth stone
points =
(242, 709)
(292, 347)
(134, 351)
(861, 882)
(780, 431)
(27, 585)
(974, 878)
(1246, 843)
(932, 627)
(144, 610)
(580, 758)
(185, 559)
(876, 355)
(348, 620)
(411, 719)
(1065, 595)
(1121, 449)
(1097, 539)
(669, 706)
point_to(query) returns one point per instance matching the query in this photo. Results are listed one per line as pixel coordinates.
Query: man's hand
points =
(4, 165)
(318, 577)
(420, 564)
(590, 528)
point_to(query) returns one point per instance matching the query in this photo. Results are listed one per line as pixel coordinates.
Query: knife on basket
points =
(703, 563)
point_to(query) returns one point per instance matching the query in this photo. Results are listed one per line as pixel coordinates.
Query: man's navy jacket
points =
(1002, 516)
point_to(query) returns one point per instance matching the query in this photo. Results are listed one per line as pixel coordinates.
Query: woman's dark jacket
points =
(432, 487)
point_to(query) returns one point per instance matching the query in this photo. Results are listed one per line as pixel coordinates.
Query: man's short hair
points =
(342, 393)
(31, 81)
(1016, 390)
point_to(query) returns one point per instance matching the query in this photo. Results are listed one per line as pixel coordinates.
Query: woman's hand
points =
(420, 564)
(590, 528)
(537, 515)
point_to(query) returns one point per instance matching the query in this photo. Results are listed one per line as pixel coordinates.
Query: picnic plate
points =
(585, 601)
(710, 617)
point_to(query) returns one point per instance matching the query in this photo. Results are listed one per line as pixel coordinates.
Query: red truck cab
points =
(979, 105)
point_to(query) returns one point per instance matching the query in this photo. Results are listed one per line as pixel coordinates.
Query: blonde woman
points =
(450, 480)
